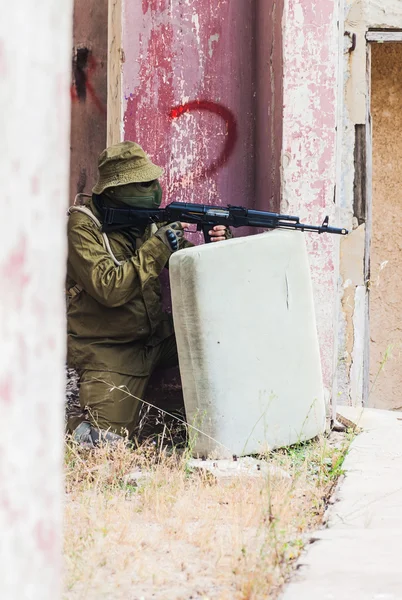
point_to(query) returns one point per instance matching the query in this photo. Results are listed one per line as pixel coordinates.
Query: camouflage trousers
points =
(112, 401)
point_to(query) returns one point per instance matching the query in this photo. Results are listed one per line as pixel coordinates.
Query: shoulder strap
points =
(86, 211)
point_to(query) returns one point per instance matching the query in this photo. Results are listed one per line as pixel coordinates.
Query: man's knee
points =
(112, 400)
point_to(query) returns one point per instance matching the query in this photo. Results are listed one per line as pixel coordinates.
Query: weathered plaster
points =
(35, 72)
(356, 87)
(351, 267)
(357, 366)
(309, 145)
(360, 15)
(386, 14)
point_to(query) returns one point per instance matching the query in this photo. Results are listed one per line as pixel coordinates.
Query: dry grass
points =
(180, 534)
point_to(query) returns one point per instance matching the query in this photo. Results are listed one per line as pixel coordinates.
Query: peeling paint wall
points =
(35, 67)
(309, 146)
(88, 92)
(353, 366)
(350, 364)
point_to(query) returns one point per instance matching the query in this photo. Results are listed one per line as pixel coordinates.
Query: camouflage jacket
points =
(114, 311)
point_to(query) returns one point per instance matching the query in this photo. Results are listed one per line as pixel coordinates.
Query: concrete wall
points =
(35, 108)
(353, 326)
(88, 92)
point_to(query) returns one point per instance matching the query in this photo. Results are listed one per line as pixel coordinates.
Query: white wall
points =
(35, 46)
(309, 159)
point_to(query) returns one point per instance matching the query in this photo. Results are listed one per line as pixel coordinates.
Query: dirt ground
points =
(177, 533)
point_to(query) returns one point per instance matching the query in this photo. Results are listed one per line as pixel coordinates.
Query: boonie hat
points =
(124, 163)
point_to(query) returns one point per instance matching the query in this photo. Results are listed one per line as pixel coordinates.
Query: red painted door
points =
(192, 96)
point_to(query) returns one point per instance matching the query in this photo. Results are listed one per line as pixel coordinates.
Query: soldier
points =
(117, 331)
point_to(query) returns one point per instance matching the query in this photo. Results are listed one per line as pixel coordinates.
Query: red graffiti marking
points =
(231, 128)
(84, 67)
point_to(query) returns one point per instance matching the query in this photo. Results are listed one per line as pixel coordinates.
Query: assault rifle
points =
(205, 217)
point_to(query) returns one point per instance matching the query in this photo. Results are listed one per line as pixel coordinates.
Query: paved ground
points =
(359, 555)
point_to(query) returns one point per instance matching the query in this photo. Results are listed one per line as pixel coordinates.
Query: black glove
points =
(171, 235)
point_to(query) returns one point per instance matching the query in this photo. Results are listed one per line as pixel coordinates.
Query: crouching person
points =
(117, 331)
